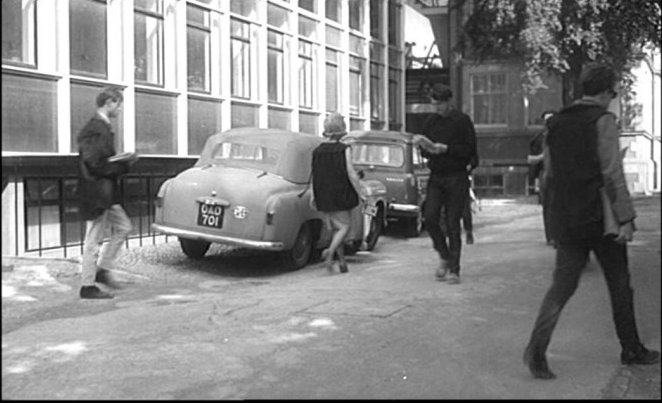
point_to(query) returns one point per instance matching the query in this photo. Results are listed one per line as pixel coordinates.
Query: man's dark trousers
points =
(450, 193)
(570, 260)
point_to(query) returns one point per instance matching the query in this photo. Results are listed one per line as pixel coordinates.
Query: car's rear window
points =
(388, 155)
(229, 152)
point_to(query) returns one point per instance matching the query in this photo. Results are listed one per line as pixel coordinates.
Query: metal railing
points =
(41, 193)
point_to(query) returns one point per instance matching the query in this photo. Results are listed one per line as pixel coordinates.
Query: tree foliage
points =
(560, 36)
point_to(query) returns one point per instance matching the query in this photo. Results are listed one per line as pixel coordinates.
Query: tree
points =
(561, 36)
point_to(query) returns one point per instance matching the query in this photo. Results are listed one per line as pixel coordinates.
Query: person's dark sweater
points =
(456, 131)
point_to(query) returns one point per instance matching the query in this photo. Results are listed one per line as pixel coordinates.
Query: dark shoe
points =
(470, 238)
(453, 278)
(343, 267)
(103, 277)
(442, 272)
(93, 292)
(537, 365)
(640, 356)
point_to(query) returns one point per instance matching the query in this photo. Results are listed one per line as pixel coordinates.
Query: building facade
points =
(188, 68)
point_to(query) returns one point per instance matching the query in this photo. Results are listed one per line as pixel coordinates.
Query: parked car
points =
(251, 188)
(393, 159)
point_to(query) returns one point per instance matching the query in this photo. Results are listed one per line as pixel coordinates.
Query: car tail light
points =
(158, 202)
(270, 217)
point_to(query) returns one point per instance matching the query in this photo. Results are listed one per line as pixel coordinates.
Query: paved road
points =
(235, 326)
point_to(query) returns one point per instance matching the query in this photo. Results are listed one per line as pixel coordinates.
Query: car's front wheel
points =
(194, 249)
(298, 256)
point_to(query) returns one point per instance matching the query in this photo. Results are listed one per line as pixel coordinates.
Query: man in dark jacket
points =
(585, 166)
(449, 142)
(100, 195)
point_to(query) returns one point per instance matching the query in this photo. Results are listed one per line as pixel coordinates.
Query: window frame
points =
(159, 15)
(490, 94)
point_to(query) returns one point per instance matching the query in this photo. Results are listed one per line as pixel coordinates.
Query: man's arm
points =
(94, 152)
(467, 148)
(612, 173)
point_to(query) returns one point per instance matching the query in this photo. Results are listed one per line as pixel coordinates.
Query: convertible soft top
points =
(294, 150)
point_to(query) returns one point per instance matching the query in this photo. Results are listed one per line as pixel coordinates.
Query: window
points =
(204, 119)
(279, 118)
(489, 99)
(394, 96)
(83, 107)
(332, 81)
(385, 155)
(87, 37)
(394, 28)
(306, 75)
(245, 8)
(277, 17)
(198, 34)
(148, 41)
(275, 62)
(244, 115)
(308, 5)
(376, 21)
(241, 59)
(356, 14)
(332, 10)
(307, 28)
(29, 114)
(156, 127)
(308, 123)
(356, 66)
(377, 92)
(19, 32)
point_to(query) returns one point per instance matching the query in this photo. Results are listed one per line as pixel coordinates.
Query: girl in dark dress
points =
(335, 187)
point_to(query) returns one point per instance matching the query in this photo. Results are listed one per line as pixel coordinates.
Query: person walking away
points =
(336, 188)
(467, 219)
(448, 142)
(100, 195)
(585, 163)
(536, 158)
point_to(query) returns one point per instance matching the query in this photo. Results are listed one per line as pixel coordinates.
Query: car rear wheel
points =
(194, 249)
(414, 226)
(298, 256)
(376, 228)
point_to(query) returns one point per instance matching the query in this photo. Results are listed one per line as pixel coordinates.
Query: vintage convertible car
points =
(393, 159)
(251, 188)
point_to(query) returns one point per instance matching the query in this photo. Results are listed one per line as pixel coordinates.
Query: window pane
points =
(199, 47)
(29, 114)
(18, 31)
(394, 11)
(308, 123)
(308, 5)
(87, 36)
(204, 119)
(244, 115)
(243, 7)
(305, 75)
(279, 119)
(331, 88)
(241, 74)
(376, 22)
(277, 17)
(356, 45)
(333, 36)
(356, 86)
(332, 10)
(155, 130)
(356, 14)
(148, 39)
(83, 107)
(275, 67)
(307, 28)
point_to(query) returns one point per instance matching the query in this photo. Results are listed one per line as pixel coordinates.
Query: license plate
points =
(370, 210)
(210, 215)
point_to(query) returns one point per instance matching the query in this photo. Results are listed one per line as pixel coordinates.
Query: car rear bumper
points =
(404, 208)
(246, 243)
